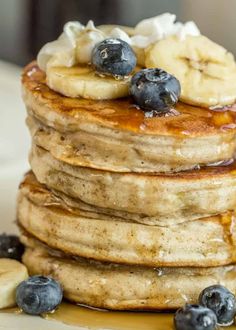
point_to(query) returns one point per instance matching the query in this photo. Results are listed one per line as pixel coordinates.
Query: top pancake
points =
(123, 114)
(196, 136)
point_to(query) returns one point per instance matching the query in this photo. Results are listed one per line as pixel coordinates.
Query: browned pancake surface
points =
(124, 115)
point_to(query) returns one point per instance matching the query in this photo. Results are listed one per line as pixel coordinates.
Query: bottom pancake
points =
(122, 287)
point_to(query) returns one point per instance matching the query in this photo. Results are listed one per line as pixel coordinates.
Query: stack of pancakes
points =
(127, 212)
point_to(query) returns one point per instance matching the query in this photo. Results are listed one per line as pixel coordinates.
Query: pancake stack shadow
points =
(127, 212)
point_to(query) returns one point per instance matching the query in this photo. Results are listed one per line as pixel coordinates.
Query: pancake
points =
(79, 233)
(179, 196)
(116, 136)
(120, 287)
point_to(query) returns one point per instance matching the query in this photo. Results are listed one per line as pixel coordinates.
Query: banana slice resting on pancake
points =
(206, 70)
(83, 81)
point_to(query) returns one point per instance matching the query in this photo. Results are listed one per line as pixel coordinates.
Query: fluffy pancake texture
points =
(185, 195)
(124, 287)
(116, 136)
(128, 212)
(78, 232)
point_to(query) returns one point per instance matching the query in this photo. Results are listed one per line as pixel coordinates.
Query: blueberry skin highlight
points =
(113, 56)
(11, 247)
(195, 317)
(155, 89)
(221, 301)
(38, 294)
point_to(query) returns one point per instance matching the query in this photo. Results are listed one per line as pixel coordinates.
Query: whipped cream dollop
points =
(77, 41)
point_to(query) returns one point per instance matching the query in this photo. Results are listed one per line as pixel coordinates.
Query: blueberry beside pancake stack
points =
(130, 202)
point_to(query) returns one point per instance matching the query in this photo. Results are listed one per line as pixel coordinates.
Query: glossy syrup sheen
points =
(124, 114)
(106, 320)
(95, 319)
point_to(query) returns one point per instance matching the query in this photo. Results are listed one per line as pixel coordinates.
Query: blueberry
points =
(221, 301)
(155, 90)
(195, 317)
(113, 56)
(38, 294)
(10, 247)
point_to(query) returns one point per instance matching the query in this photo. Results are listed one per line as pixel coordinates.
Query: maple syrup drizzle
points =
(124, 114)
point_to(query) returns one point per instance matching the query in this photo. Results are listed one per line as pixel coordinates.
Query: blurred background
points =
(26, 25)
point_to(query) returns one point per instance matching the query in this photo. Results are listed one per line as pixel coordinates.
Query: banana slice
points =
(12, 273)
(206, 71)
(82, 81)
(140, 55)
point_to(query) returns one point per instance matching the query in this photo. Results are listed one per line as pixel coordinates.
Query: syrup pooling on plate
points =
(123, 114)
(81, 316)
(90, 318)
(98, 320)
